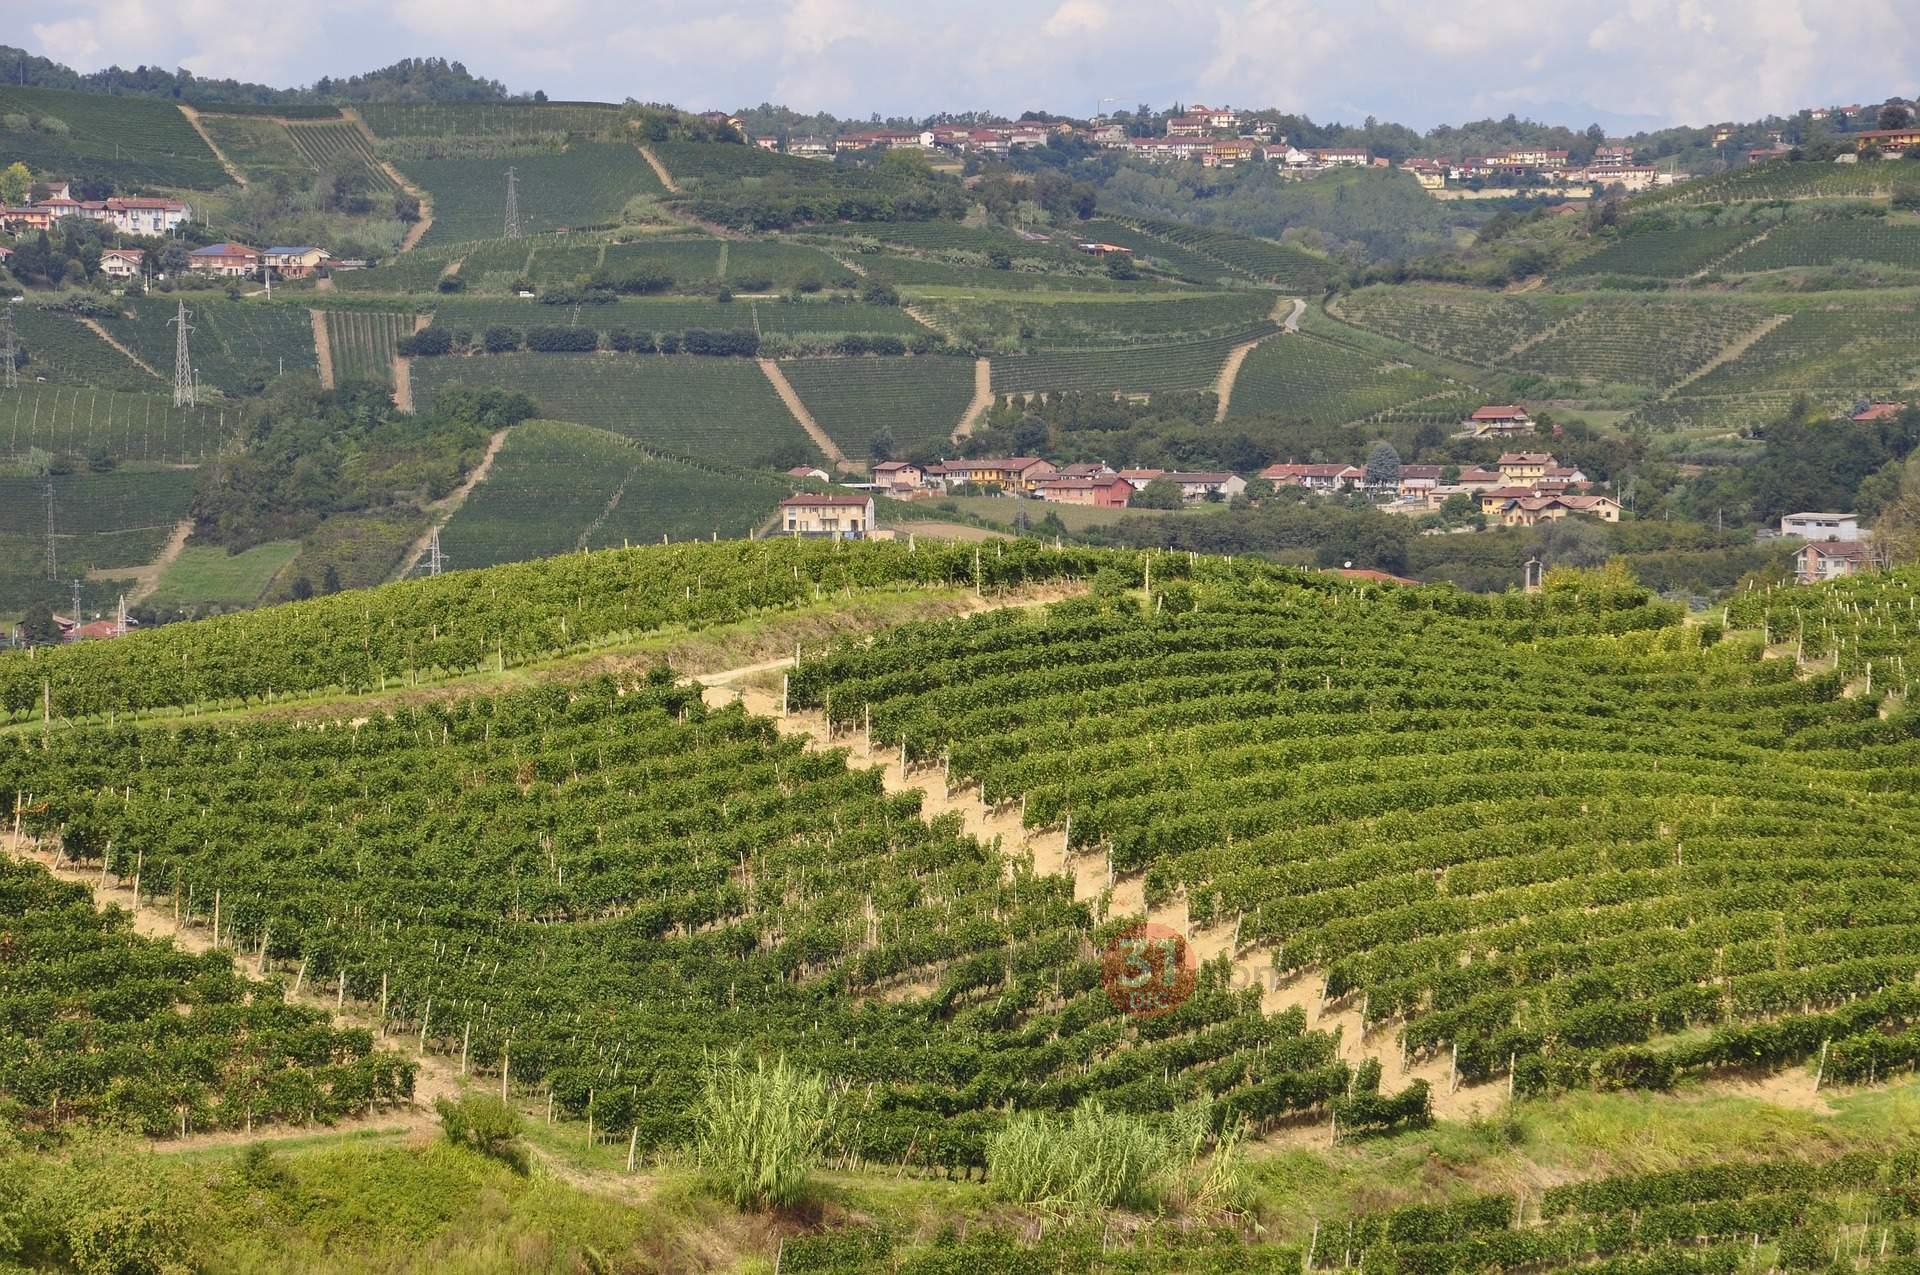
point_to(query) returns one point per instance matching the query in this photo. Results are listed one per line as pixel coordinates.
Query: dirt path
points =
(1740, 346)
(398, 178)
(147, 578)
(322, 347)
(1292, 322)
(94, 326)
(193, 118)
(924, 319)
(785, 390)
(443, 509)
(982, 399)
(403, 371)
(1229, 371)
(434, 1077)
(660, 170)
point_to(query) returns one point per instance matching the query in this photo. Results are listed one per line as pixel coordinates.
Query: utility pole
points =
(76, 601)
(11, 355)
(120, 625)
(183, 386)
(53, 561)
(513, 205)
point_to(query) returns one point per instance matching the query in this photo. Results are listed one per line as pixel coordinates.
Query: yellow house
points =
(1524, 469)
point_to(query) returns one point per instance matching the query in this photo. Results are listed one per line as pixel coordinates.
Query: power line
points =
(513, 205)
(184, 389)
(436, 561)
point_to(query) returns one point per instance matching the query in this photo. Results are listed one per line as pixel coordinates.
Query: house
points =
(1314, 477)
(21, 219)
(296, 263)
(1821, 526)
(1431, 174)
(1499, 420)
(1877, 412)
(1532, 510)
(233, 259)
(1629, 177)
(1890, 141)
(841, 517)
(1569, 474)
(147, 216)
(1417, 480)
(1498, 499)
(1139, 478)
(1613, 155)
(1229, 152)
(1605, 508)
(1476, 479)
(1104, 249)
(121, 263)
(807, 471)
(1088, 469)
(1111, 492)
(1192, 124)
(1829, 560)
(1009, 473)
(810, 147)
(1207, 485)
(1342, 156)
(1525, 468)
(1368, 576)
(899, 475)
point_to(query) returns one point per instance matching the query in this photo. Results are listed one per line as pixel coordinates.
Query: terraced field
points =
(557, 487)
(1304, 377)
(1826, 243)
(1043, 325)
(1475, 327)
(363, 343)
(1145, 369)
(948, 238)
(76, 419)
(918, 400)
(685, 261)
(132, 141)
(1663, 254)
(760, 266)
(1639, 343)
(342, 147)
(586, 185)
(62, 349)
(721, 410)
(237, 345)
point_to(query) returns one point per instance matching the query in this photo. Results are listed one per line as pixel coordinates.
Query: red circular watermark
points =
(1148, 970)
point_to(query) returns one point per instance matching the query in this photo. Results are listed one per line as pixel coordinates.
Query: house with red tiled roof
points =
(1110, 492)
(1525, 467)
(1314, 477)
(1830, 560)
(121, 263)
(1877, 412)
(839, 517)
(899, 475)
(235, 260)
(1498, 420)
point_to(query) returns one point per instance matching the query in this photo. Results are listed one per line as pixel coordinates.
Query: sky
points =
(1625, 64)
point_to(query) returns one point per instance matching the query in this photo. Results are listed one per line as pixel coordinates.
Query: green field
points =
(760, 266)
(586, 185)
(1262, 259)
(76, 420)
(556, 487)
(133, 141)
(340, 147)
(1662, 254)
(1778, 179)
(505, 120)
(1304, 377)
(1074, 325)
(260, 148)
(1027, 274)
(679, 314)
(237, 346)
(1847, 350)
(1160, 254)
(363, 343)
(1145, 369)
(62, 349)
(207, 575)
(1826, 243)
(919, 400)
(720, 410)
(1475, 327)
(102, 522)
(1638, 343)
(947, 238)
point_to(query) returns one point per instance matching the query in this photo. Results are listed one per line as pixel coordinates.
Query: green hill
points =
(136, 141)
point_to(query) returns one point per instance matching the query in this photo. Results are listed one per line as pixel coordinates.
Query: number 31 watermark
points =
(1148, 970)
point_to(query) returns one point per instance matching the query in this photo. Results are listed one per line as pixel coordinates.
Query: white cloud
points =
(1078, 17)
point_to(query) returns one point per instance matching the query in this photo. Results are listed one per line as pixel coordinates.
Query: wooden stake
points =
(633, 1143)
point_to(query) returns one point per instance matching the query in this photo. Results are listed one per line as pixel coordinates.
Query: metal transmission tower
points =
(436, 561)
(513, 205)
(10, 378)
(184, 388)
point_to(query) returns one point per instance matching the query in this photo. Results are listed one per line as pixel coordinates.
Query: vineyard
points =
(685, 261)
(1143, 369)
(558, 487)
(915, 274)
(363, 343)
(1097, 324)
(721, 410)
(586, 185)
(1761, 183)
(238, 346)
(1304, 377)
(61, 349)
(1663, 254)
(1827, 243)
(75, 421)
(948, 237)
(1162, 254)
(124, 500)
(260, 148)
(504, 120)
(761, 266)
(1261, 259)
(1638, 343)
(415, 271)
(694, 164)
(1710, 870)
(131, 141)
(919, 401)
(1845, 349)
(1481, 328)
(341, 147)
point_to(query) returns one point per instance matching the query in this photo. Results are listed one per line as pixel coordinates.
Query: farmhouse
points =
(1314, 477)
(1821, 526)
(1877, 412)
(899, 475)
(147, 216)
(1829, 560)
(1890, 141)
(26, 218)
(1009, 473)
(1208, 485)
(121, 263)
(1112, 492)
(1499, 420)
(296, 263)
(808, 471)
(840, 517)
(232, 259)
(1088, 469)
(1418, 480)
(1139, 478)
(1525, 467)
(1478, 479)
(1532, 510)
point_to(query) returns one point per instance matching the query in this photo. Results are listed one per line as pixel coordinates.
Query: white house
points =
(841, 517)
(1821, 526)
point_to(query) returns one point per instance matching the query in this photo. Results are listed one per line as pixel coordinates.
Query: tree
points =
(302, 588)
(330, 579)
(1894, 115)
(483, 1123)
(37, 625)
(1161, 493)
(882, 447)
(1383, 465)
(16, 183)
(1570, 542)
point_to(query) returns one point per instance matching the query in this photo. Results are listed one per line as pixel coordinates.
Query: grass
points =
(205, 575)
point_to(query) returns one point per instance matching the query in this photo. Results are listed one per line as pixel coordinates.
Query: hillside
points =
(1619, 903)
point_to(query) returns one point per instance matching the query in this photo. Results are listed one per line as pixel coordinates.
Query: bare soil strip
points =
(660, 170)
(193, 118)
(785, 390)
(419, 228)
(322, 347)
(93, 326)
(982, 399)
(403, 371)
(443, 509)
(1740, 346)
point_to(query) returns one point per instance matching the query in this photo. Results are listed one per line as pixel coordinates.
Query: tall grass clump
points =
(762, 1127)
(1096, 1159)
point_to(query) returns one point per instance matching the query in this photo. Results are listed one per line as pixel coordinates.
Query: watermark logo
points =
(1148, 970)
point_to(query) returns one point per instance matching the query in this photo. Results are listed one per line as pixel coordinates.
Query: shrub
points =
(427, 342)
(628, 341)
(451, 283)
(555, 340)
(1096, 1159)
(500, 339)
(483, 1123)
(702, 341)
(761, 1129)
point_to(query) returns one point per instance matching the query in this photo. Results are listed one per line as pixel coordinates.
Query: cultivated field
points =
(1309, 378)
(237, 346)
(363, 343)
(919, 401)
(76, 420)
(139, 141)
(585, 185)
